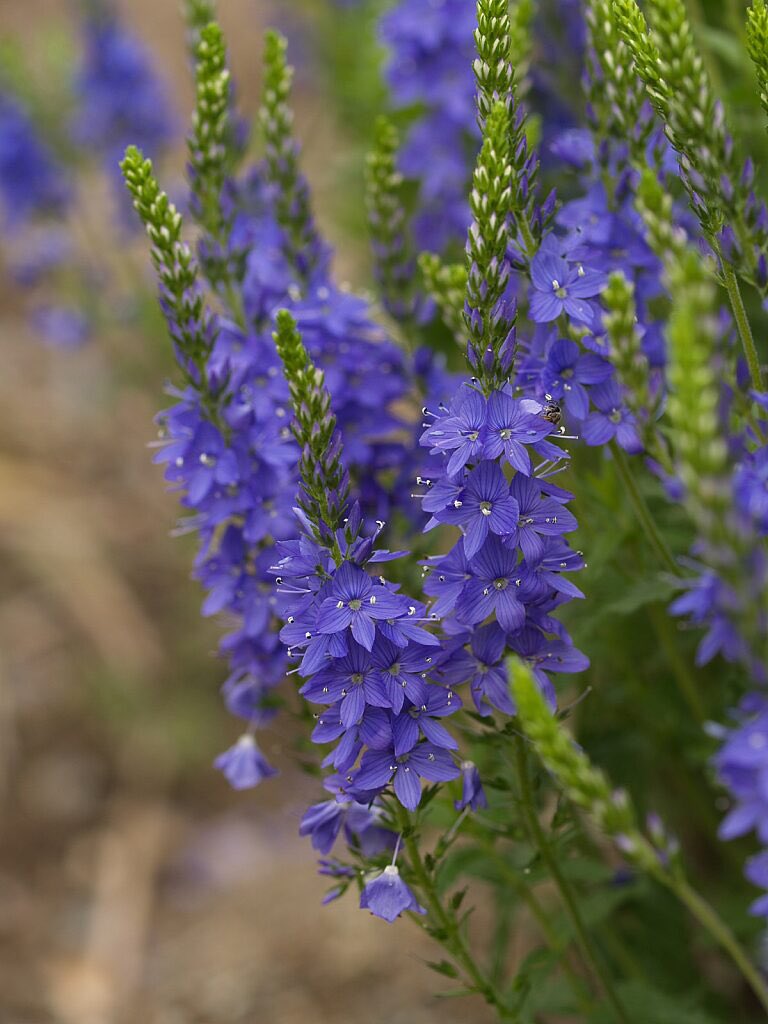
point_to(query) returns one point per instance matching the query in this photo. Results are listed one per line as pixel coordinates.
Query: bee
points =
(551, 411)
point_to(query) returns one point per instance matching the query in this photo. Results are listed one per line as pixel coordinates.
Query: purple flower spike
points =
(387, 896)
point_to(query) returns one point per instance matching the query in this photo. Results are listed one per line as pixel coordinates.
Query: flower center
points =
(394, 670)
(486, 508)
(501, 583)
(615, 416)
(505, 434)
(355, 605)
(356, 678)
(473, 435)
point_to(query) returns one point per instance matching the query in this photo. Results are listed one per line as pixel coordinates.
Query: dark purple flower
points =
(387, 896)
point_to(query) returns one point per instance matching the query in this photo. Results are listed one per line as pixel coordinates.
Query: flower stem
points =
(642, 511)
(719, 930)
(742, 325)
(556, 942)
(587, 947)
(447, 930)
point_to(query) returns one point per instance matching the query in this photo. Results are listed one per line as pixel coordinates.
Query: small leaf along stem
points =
(447, 929)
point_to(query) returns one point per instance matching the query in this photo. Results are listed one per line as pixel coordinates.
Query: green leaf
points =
(443, 967)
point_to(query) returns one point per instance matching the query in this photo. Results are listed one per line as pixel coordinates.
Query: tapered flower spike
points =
(387, 222)
(497, 82)
(324, 480)
(189, 321)
(617, 108)
(587, 786)
(757, 45)
(487, 265)
(208, 157)
(446, 285)
(304, 247)
(626, 349)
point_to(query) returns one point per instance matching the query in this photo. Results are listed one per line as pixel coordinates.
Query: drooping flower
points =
(244, 765)
(387, 896)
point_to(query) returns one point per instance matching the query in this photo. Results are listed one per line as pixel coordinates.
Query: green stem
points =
(685, 680)
(447, 924)
(587, 947)
(556, 942)
(719, 930)
(742, 324)
(642, 511)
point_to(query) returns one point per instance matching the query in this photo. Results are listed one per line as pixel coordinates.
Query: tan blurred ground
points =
(134, 886)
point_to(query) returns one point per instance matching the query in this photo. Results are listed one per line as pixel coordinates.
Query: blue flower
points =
(485, 506)
(419, 719)
(244, 765)
(425, 761)
(355, 601)
(459, 432)
(611, 419)
(482, 666)
(472, 792)
(568, 370)
(558, 287)
(31, 181)
(540, 516)
(510, 426)
(387, 896)
(493, 587)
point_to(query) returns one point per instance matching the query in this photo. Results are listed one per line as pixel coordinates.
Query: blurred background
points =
(134, 884)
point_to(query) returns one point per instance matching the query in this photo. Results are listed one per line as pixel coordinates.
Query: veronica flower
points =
(459, 433)
(482, 666)
(540, 516)
(425, 761)
(355, 602)
(485, 506)
(493, 586)
(472, 792)
(510, 425)
(31, 180)
(244, 765)
(611, 419)
(568, 370)
(387, 896)
(558, 287)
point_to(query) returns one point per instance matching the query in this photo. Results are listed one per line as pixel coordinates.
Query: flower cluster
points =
(509, 565)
